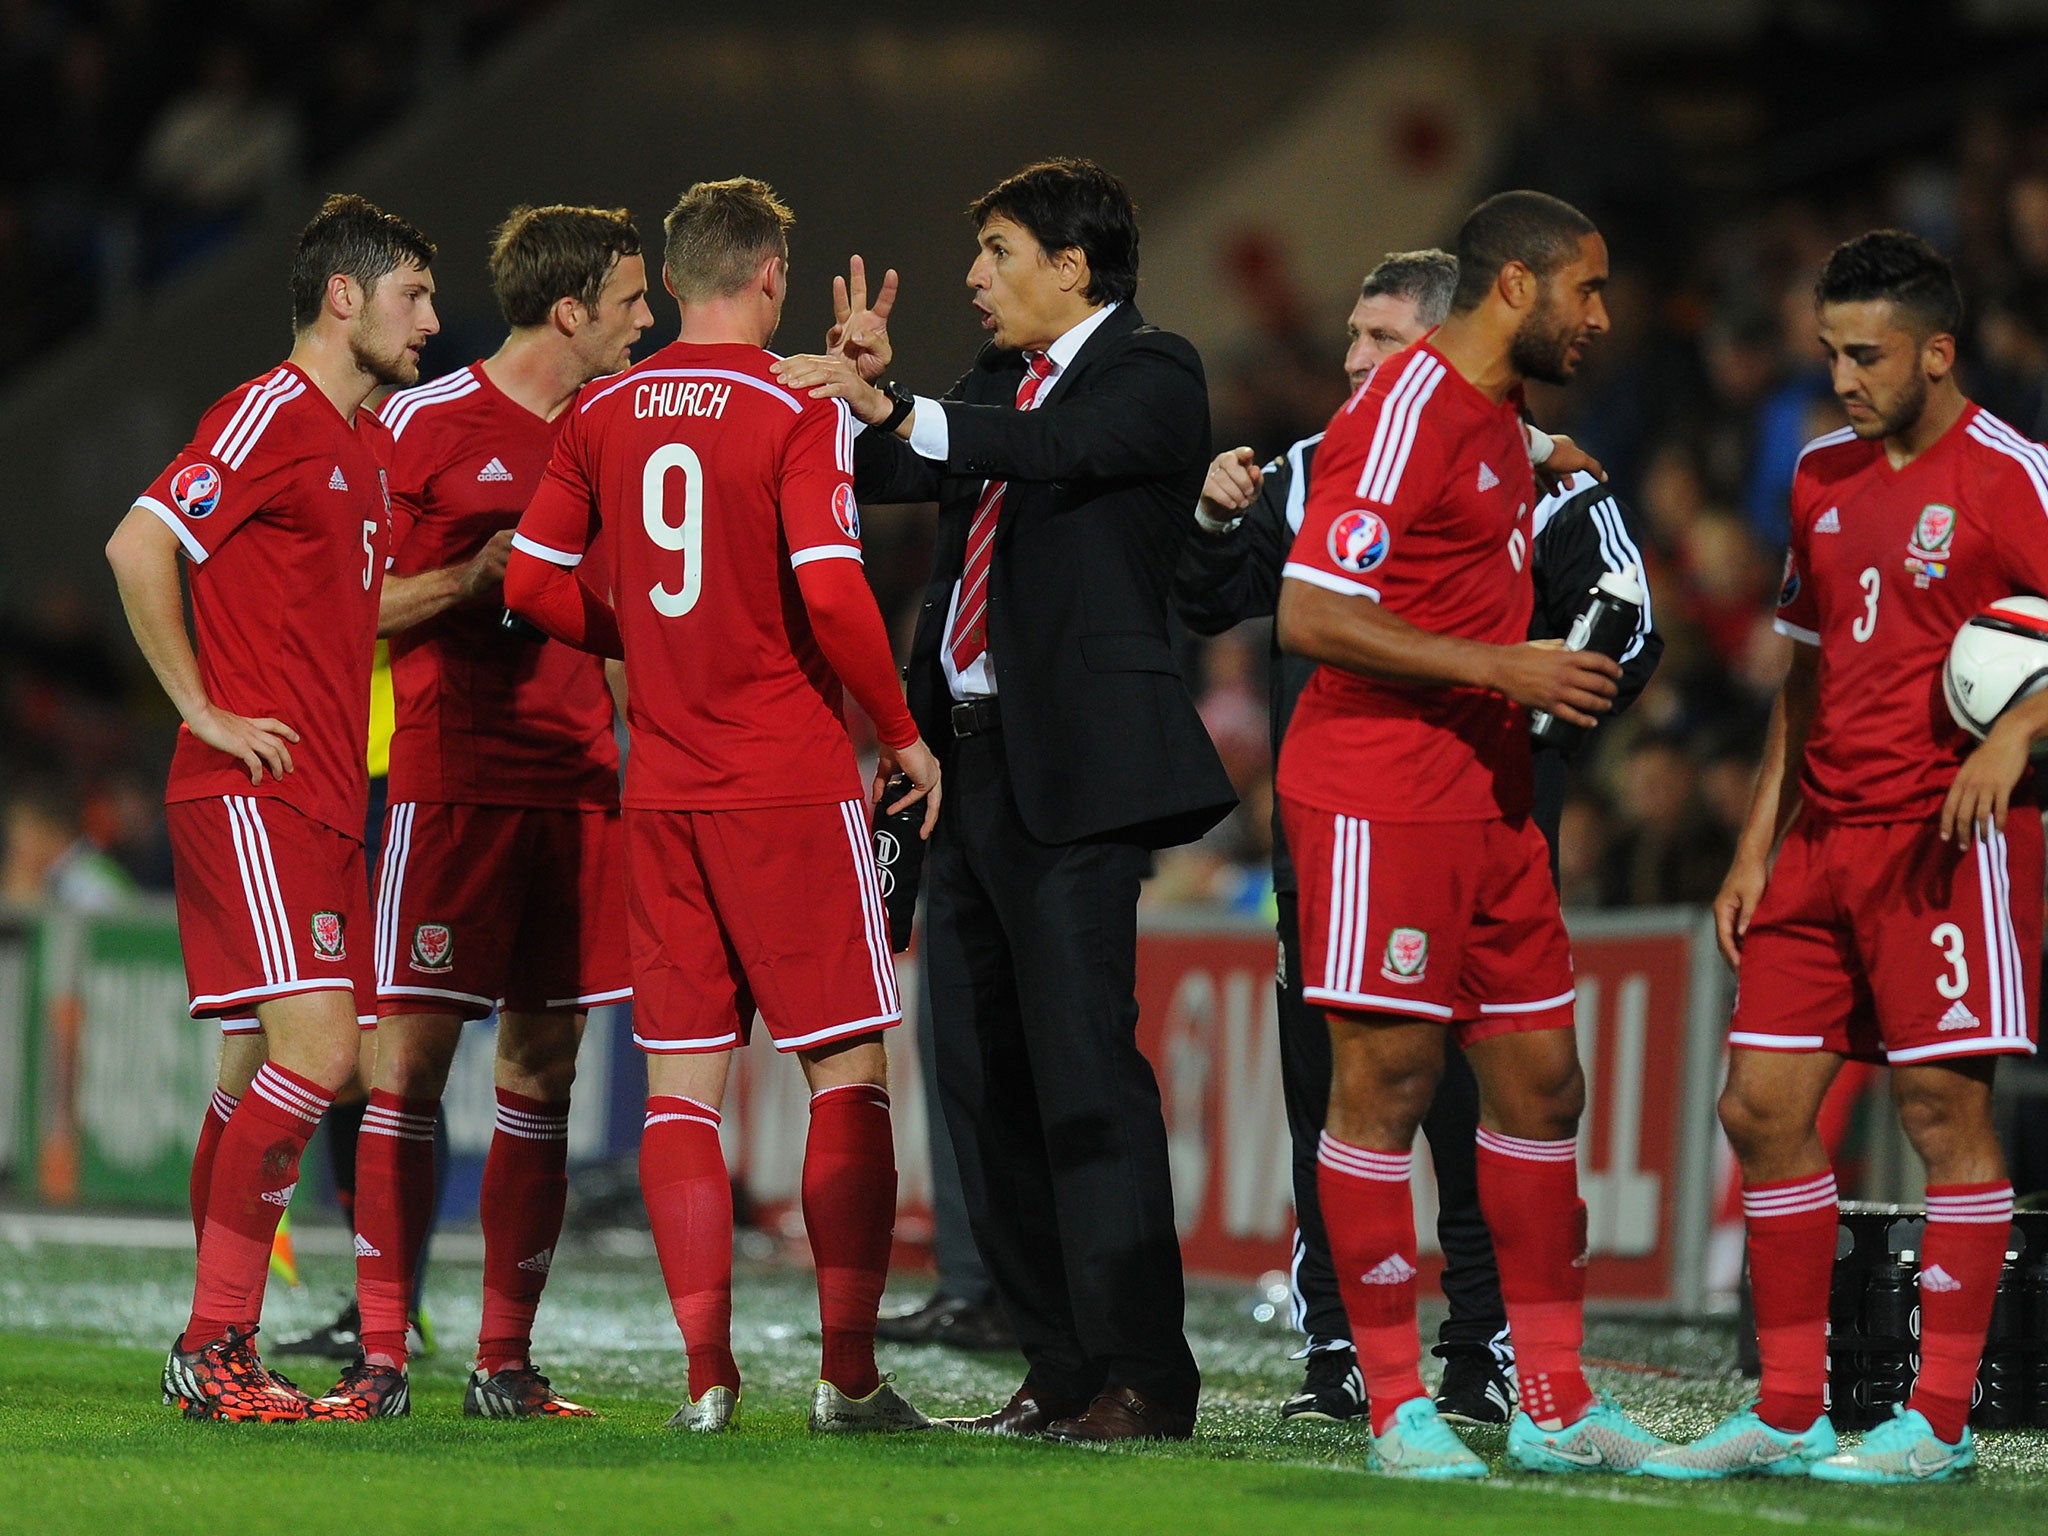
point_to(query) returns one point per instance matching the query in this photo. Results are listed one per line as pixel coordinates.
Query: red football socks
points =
(525, 1190)
(849, 1196)
(394, 1209)
(1960, 1259)
(1529, 1194)
(210, 1129)
(255, 1169)
(1370, 1214)
(1792, 1225)
(689, 1204)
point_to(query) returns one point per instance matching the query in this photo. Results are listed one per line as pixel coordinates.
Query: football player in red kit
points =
(1405, 783)
(501, 878)
(731, 559)
(1901, 919)
(280, 507)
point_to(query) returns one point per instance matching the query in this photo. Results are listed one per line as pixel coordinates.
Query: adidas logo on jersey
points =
(495, 470)
(540, 1263)
(1829, 521)
(365, 1250)
(1935, 1278)
(1392, 1270)
(1957, 1017)
(335, 482)
(1487, 478)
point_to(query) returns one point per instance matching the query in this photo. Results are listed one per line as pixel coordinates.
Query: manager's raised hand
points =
(860, 330)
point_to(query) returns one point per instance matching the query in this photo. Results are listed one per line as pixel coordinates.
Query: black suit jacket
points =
(1099, 734)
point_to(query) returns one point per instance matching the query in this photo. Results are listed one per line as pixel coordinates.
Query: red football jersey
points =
(1885, 566)
(1420, 501)
(484, 716)
(712, 484)
(282, 509)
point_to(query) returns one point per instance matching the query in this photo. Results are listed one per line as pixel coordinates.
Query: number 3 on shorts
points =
(1948, 938)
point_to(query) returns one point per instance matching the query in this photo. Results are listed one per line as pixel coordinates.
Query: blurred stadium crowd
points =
(135, 136)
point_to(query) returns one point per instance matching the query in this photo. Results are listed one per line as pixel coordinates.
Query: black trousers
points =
(1054, 1111)
(961, 1274)
(1471, 1276)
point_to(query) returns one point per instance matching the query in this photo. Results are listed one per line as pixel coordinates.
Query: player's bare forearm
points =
(1981, 792)
(407, 601)
(1360, 636)
(1357, 634)
(144, 555)
(1777, 799)
(1772, 804)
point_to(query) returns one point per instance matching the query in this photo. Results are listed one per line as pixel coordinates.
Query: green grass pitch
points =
(84, 1446)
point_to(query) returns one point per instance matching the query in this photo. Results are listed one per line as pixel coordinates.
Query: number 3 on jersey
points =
(686, 537)
(1866, 623)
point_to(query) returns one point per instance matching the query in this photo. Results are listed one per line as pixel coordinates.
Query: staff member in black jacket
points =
(1063, 463)
(1247, 519)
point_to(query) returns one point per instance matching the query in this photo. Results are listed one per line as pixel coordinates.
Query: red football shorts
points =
(1885, 943)
(486, 905)
(779, 909)
(270, 902)
(1455, 921)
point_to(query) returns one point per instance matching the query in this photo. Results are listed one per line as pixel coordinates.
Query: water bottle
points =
(1614, 608)
(899, 857)
(1889, 1296)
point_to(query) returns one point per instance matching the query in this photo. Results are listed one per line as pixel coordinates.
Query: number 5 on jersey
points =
(686, 537)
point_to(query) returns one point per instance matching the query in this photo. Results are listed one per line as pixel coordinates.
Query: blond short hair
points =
(718, 233)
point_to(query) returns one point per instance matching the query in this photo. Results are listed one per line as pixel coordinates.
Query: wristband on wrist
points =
(1541, 444)
(1209, 524)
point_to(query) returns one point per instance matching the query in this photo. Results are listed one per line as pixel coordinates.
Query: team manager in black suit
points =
(1071, 749)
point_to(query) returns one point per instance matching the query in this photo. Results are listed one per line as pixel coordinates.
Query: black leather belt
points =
(975, 716)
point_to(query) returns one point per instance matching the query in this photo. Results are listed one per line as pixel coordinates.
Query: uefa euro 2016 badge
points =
(846, 511)
(433, 948)
(1359, 542)
(1933, 532)
(328, 940)
(1407, 956)
(195, 490)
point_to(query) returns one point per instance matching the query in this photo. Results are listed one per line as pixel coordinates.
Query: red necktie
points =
(970, 620)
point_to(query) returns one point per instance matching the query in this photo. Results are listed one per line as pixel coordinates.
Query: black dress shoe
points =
(949, 1320)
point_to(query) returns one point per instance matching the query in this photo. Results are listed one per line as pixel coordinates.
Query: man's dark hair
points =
(1427, 277)
(718, 233)
(540, 256)
(352, 236)
(1073, 204)
(1540, 231)
(1893, 264)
